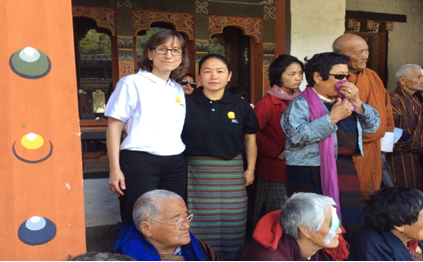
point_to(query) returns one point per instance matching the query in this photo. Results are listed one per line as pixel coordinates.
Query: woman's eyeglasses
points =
(192, 83)
(163, 51)
(339, 76)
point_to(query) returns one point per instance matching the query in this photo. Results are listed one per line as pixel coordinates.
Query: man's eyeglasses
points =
(177, 224)
(163, 51)
(192, 83)
(339, 76)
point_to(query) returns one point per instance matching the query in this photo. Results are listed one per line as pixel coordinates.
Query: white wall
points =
(405, 45)
(315, 24)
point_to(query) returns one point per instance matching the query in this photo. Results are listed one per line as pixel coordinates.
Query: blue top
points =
(303, 135)
(371, 245)
(132, 243)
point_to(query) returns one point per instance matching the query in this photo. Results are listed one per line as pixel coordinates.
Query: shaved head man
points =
(373, 93)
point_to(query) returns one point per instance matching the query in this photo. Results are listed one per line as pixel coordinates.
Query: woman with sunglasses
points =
(150, 105)
(188, 84)
(324, 128)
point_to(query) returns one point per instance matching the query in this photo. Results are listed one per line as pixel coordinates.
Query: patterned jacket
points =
(303, 136)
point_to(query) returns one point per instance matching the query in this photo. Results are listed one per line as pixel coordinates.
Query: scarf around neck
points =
(132, 243)
(276, 91)
(328, 171)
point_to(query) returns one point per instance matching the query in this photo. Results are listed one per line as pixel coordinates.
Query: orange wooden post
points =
(41, 191)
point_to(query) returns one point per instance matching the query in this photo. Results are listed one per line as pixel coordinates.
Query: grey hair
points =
(304, 209)
(148, 205)
(404, 70)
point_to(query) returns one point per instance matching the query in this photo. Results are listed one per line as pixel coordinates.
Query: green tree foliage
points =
(95, 43)
(216, 48)
(141, 40)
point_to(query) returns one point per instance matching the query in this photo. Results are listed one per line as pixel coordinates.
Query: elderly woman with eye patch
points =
(324, 128)
(307, 228)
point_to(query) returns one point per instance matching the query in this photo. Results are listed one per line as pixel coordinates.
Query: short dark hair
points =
(278, 67)
(158, 39)
(322, 63)
(393, 206)
(210, 56)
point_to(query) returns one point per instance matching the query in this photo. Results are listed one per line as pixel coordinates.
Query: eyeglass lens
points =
(163, 51)
(187, 219)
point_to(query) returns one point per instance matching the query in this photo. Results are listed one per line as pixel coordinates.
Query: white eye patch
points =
(335, 223)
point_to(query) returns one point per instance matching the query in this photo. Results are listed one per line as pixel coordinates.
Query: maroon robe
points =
(406, 158)
(287, 250)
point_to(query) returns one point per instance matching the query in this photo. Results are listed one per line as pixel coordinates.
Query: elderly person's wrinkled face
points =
(173, 229)
(413, 81)
(358, 51)
(318, 237)
(415, 230)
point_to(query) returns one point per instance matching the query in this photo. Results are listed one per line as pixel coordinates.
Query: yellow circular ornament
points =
(32, 141)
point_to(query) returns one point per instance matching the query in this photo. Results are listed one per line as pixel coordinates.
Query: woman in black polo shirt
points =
(218, 126)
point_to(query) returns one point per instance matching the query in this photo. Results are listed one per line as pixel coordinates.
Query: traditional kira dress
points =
(214, 136)
(307, 179)
(310, 163)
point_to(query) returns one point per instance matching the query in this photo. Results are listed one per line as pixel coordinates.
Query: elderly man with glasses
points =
(161, 231)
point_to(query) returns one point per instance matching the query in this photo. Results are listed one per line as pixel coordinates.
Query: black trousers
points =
(145, 172)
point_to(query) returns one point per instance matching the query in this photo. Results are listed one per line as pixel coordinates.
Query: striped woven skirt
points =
(307, 179)
(217, 197)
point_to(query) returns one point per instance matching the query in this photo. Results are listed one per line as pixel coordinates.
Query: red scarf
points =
(276, 91)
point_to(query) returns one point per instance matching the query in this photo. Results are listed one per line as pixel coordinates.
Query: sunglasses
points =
(339, 76)
(192, 84)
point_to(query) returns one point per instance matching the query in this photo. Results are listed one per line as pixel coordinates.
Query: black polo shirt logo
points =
(231, 115)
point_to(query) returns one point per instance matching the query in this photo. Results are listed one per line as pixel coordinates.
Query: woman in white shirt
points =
(151, 106)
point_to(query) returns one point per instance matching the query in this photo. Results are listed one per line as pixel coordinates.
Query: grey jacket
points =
(303, 135)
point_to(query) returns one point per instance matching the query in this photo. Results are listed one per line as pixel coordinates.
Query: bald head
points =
(355, 47)
(345, 41)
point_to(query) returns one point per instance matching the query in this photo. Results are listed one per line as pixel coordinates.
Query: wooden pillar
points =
(201, 32)
(125, 40)
(41, 191)
(280, 27)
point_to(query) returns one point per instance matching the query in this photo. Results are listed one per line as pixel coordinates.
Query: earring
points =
(317, 83)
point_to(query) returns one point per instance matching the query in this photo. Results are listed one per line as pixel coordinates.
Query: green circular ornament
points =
(30, 63)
